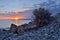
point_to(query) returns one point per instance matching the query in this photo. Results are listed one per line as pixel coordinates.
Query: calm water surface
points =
(7, 23)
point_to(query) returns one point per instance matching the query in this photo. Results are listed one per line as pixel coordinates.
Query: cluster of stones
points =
(22, 28)
(50, 32)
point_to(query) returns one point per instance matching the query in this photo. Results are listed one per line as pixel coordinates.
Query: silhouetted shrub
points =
(42, 17)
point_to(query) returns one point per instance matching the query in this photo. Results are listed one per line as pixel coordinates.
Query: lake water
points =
(7, 23)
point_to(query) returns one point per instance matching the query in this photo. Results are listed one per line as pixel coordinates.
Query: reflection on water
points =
(7, 23)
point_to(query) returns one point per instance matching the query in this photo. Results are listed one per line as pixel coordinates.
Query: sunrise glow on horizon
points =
(11, 17)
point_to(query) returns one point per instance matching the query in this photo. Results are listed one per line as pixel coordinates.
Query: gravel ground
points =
(50, 32)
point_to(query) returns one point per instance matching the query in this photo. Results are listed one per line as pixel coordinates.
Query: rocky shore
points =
(32, 32)
(50, 32)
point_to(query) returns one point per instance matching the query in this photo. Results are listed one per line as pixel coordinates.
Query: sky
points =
(16, 5)
(20, 5)
(7, 6)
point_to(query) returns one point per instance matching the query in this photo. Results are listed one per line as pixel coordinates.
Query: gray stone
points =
(13, 28)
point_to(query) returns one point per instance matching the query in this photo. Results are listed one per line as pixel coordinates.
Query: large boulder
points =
(20, 29)
(13, 28)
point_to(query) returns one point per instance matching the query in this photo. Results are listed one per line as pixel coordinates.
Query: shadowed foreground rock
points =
(13, 28)
(22, 28)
